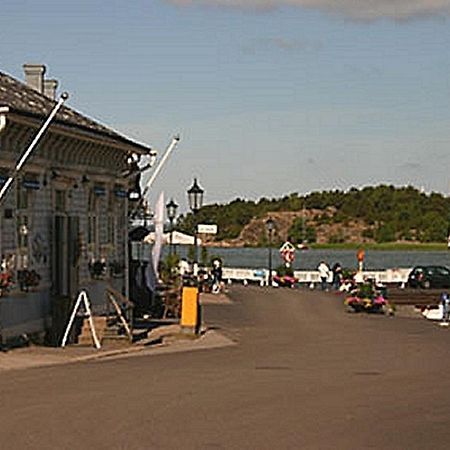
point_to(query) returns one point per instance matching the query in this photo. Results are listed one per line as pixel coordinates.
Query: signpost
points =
(206, 229)
(287, 252)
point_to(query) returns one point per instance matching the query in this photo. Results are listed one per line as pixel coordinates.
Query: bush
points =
(368, 233)
(385, 233)
(337, 238)
(283, 271)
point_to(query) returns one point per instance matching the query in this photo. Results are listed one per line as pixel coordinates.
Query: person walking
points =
(216, 273)
(324, 273)
(337, 276)
(445, 302)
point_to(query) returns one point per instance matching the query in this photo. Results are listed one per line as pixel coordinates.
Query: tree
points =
(385, 233)
(404, 213)
(301, 232)
(434, 228)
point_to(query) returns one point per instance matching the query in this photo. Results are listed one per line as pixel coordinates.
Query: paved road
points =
(303, 375)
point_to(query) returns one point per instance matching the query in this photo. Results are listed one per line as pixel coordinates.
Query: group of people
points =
(208, 280)
(330, 277)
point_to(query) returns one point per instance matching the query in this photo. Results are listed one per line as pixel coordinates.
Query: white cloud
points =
(355, 9)
(280, 43)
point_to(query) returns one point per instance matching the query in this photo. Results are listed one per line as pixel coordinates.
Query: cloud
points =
(280, 43)
(410, 167)
(354, 9)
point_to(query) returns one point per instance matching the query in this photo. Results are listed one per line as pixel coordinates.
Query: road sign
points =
(287, 252)
(206, 229)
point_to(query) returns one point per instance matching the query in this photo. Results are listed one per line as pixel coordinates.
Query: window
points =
(111, 200)
(92, 222)
(92, 206)
(111, 229)
(22, 197)
(92, 229)
(60, 201)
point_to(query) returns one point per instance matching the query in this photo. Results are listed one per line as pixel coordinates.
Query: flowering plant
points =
(6, 280)
(366, 297)
(28, 278)
(97, 268)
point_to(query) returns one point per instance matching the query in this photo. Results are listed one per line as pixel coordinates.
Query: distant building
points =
(64, 221)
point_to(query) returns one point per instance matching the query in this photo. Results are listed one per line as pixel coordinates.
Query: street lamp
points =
(195, 197)
(270, 226)
(171, 209)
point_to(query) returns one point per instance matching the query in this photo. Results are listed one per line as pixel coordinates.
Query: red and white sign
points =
(287, 252)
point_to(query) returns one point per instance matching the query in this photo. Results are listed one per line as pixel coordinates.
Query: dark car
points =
(429, 277)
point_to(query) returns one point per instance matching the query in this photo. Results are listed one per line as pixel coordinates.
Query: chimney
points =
(50, 87)
(34, 76)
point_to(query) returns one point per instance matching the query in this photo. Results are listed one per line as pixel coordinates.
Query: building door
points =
(65, 273)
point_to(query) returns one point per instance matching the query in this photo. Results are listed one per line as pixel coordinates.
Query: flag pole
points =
(27, 153)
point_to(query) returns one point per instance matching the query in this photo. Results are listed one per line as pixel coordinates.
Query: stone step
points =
(85, 337)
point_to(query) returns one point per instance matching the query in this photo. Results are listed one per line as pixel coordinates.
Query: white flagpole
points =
(169, 150)
(24, 157)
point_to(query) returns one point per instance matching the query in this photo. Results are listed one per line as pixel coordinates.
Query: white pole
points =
(72, 318)
(91, 321)
(169, 150)
(24, 157)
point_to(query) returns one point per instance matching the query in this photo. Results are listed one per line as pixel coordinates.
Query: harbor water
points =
(309, 259)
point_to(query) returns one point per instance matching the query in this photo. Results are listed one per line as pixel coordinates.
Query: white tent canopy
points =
(178, 238)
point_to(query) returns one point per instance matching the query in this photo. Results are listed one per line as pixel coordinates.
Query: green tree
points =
(204, 256)
(385, 233)
(404, 213)
(301, 232)
(434, 228)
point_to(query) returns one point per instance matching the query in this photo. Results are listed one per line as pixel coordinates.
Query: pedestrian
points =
(184, 267)
(216, 273)
(324, 273)
(337, 276)
(445, 302)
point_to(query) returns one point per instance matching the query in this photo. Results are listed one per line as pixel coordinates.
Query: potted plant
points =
(6, 281)
(116, 269)
(28, 279)
(97, 268)
(285, 276)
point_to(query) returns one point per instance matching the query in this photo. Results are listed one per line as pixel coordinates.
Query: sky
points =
(270, 97)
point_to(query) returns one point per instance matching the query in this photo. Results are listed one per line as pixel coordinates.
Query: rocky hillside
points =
(254, 233)
(382, 214)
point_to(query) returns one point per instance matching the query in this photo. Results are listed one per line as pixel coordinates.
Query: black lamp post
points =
(171, 209)
(270, 226)
(195, 197)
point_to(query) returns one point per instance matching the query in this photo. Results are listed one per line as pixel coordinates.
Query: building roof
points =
(24, 100)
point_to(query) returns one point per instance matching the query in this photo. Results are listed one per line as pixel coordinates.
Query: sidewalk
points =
(163, 339)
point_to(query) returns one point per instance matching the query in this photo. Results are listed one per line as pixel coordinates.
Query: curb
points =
(208, 340)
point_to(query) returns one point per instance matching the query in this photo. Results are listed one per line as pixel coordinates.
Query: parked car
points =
(427, 277)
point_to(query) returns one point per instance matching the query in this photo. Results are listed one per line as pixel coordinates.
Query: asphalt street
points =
(303, 374)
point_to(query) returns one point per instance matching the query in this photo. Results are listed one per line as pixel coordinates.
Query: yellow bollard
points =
(190, 309)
